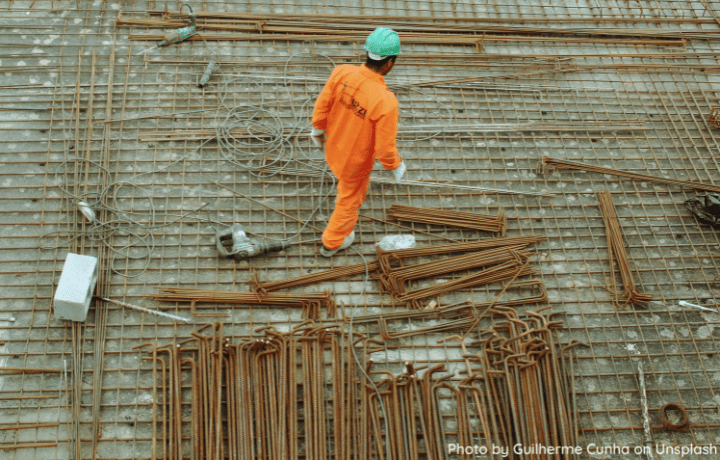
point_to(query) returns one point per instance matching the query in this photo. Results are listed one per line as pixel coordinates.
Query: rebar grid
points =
(48, 97)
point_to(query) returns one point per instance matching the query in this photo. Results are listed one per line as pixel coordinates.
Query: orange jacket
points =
(360, 116)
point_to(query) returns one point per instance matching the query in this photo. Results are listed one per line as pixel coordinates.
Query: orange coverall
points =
(360, 116)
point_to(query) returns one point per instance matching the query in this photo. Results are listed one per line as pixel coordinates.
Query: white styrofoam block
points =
(76, 287)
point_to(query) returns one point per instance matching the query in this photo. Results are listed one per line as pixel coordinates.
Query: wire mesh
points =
(72, 88)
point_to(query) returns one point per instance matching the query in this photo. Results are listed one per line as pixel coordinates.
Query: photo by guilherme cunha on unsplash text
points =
(592, 450)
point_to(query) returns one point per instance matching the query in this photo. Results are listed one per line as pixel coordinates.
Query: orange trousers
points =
(351, 195)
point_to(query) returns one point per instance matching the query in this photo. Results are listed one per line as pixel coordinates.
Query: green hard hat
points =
(383, 42)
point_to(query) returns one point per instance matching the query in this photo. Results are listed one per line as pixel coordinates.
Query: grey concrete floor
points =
(66, 71)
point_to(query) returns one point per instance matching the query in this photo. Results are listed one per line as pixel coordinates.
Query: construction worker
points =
(356, 120)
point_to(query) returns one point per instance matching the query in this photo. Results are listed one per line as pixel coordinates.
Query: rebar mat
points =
(81, 115)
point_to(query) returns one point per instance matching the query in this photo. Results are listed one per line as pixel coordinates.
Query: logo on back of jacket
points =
(347, 99)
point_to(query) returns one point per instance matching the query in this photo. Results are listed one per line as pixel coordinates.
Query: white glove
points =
(318, 137)
(399, 172)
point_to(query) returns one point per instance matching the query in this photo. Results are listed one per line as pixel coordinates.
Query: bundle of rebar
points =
(449, 311)
(310, 278)
(554, 163)
(508, 270)
(459, 319)
(386, 258)
(469, 220)
(518, 391)
(413, 422)
(502, 258)
(617, 252)
(267, 397)
(521, 387)
(311, 303)
(299, 394)
(395, 280)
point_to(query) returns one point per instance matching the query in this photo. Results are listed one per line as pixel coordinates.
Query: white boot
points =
(346, 244)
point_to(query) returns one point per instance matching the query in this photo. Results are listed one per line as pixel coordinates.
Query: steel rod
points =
(148, 310)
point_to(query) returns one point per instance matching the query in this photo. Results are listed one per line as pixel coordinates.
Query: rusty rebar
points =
(617, 252)
(311, 303)
(396, 280)
(277, 394)
(507, 270)
(386, 259)
(554, 163)
(244, 397)
(310, 278)
(467, 220)
(419, 30)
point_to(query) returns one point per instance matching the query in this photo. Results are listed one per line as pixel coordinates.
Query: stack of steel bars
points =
(311, 303)
(264, 397)
(287, 395)
(507, 271)
(463, 318)
(434, 216)
(386, 258)
(522, 384)
(617, 252)
(412, 416)
(502, 257)
(518, 391)
(396, 281)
